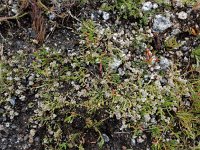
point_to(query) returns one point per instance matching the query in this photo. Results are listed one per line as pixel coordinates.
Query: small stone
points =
(35, 41)
(52, 16)
(179, 54)
(147, 6)
(185, 48)
(182, 15)
(32, 132)
(161, 23)
(144, 136)
(10, 2)
(153, 120)
(121, 72)
(133, 141)
(22, 97)
(30, 83)
(93, 17)
(164, 63)
(176, 31)
(157, 67)
(106, 15)
(185, 59)
(30, 140)
(106, 138)
(116, 63)
(147, 117)
(13, 126)
(155, 6)
(140, 140)
(14, 9)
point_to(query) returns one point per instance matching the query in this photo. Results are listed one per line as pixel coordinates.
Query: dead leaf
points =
(194, 31)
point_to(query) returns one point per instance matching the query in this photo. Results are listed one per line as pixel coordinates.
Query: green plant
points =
(124, 8)
(196, 55)
(171, 43)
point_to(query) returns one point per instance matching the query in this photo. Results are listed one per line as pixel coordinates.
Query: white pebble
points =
(155, 6)
(147, 6)
(106, 15)
(182, 15)
(32, 132)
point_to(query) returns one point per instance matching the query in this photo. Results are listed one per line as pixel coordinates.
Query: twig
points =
(2, 37)
(53, 29)
(2, 19)
(74, 17)
(41, 5)
(1, 50)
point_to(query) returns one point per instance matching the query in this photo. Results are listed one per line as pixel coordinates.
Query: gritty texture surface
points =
(99, 75)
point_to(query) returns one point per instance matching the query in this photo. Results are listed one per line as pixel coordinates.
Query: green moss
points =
(171, 43)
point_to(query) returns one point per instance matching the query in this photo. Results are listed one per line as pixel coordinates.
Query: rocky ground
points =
(113, 75)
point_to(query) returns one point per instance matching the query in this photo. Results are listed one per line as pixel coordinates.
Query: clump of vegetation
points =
(124, 8)
(102, 78)
(171, 43)
(63, 85)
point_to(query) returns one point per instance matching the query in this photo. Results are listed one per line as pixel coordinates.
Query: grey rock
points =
(15, 9)
(133, 141)
(147, 6)
(94, 16)
(37, 139)
(106, 15)
(115, 63)
(13, 126)
(52, 16)
(164, 63)
(163, 81)
(161, 23)
(176, 31)
(185, 48)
